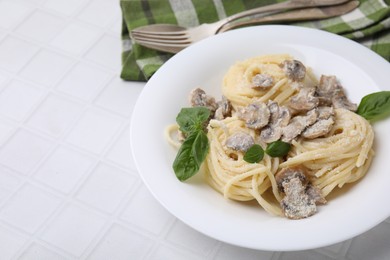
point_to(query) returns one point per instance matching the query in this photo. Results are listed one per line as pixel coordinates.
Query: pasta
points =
(330, 144)
(228, 173)
(237, 82)
(339, 158)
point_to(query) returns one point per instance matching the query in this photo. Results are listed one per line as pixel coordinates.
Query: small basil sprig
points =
(254, 154)
(275, 149)
(194, 149)
(375, 106)
(278, 149)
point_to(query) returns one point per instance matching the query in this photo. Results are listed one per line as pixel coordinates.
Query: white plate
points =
(204, 64)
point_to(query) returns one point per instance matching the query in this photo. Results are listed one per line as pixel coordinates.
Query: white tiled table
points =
(68, 185)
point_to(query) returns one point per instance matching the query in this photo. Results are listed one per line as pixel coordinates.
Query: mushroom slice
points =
(329, 91)
(294, 69)
(262, 81)
(298, 124)
(315, 194)
(286, 174)
(340, 100)
(304, 100)
(327, 85)
(255, 115)
(224, 109)
(280, 116)
(297, 204)
(240, 141)
(199, 98)
(325, 112)
(319, 128)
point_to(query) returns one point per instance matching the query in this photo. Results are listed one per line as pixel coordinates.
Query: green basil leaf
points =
(254, 154)
(190, 156)
(200, 147)
(278, 149)
(192, 118)
(375, 106)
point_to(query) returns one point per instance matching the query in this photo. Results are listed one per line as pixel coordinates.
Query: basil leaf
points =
(192, 118)
(254, 154)
(200, 147)
(190, 156)
(278, 149)
(375, 106)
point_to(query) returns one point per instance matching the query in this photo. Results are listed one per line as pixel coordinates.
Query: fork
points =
(180, 37)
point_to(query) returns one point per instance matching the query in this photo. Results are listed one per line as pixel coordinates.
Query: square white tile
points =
(116, 27)
(299, 255)
(68, 8)
(182, 235)
(9, 179)
(373, 244)
(75, 38)
(46, 68)
(6, 129)
(11, 13)
(173, 253)
(55, 115)
(121, 244)
(119, 96)
(107, 52)
(10, 242)
(2, 34)
(230, 252)
(100, 12)
(25, 147)
(74, 229)
(32, 2)
(4, 195)
(64, 169)
(15, 53)
(84, 81)
(18, 99)
(37, 251)
(94, 131)
(120, 153)
(106, 187)
(3, 79)
(142, 210)
(41, 26)
(29, 208)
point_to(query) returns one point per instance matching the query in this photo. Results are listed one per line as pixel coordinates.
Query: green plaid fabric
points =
(369, 25)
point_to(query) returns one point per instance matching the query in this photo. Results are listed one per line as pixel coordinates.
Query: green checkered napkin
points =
(368, 25)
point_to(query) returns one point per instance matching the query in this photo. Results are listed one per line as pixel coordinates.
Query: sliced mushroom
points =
(199, 98)
(327, 86)
(319, 128)
(240, 141)
(255, 115)
(340, 100)
(262, 81)
(286, 174)
(315, 194)
(298, 124)
(325, 112)
(304, 100)
(294, 69)
(329, 91)
(224, 109)
(301, 196)
(280, 116)
(297, 204)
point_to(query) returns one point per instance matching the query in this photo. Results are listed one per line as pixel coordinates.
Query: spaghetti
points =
(341, 155)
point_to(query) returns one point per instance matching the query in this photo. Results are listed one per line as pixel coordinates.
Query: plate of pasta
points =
(268, 137)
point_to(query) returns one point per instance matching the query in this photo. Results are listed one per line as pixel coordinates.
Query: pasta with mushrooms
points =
(276, 100)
